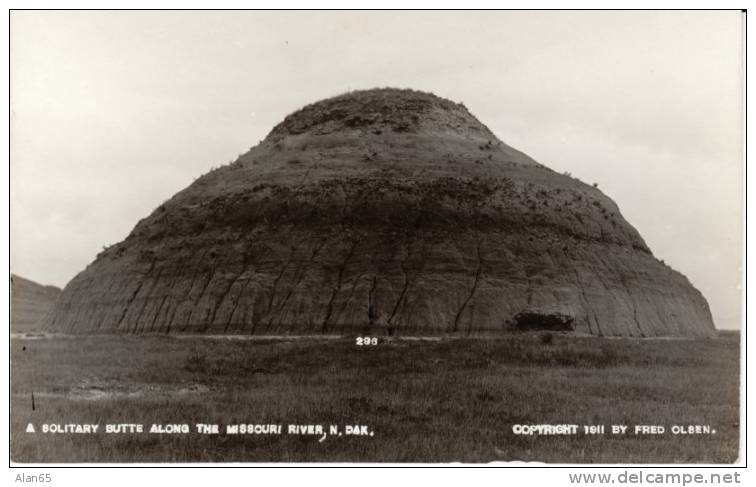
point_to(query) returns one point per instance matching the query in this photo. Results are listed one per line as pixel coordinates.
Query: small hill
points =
(30, 303)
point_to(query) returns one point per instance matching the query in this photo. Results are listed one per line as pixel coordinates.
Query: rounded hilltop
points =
(381, 110)
(385, 212)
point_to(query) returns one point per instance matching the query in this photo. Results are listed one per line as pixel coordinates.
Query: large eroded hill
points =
(383, 212)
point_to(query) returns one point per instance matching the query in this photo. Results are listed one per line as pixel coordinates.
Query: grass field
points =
(451, 400)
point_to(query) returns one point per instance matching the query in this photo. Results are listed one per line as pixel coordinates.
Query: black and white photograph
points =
(376, 237)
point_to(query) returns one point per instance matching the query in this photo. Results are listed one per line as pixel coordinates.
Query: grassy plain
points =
(450, 400)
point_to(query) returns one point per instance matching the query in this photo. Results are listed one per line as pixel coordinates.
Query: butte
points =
(383, 212)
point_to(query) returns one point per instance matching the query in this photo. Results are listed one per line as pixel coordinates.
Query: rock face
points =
(383, 212)
(30, 304)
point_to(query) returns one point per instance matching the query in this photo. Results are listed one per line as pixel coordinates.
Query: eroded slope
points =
(385, 211)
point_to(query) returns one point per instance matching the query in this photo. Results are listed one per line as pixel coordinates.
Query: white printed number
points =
(366, 341)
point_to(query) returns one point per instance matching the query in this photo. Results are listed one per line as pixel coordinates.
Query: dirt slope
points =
(30, 304)
(383, 212)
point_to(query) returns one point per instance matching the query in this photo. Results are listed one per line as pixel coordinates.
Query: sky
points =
(114, 112)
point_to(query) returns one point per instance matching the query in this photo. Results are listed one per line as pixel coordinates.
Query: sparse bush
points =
(196, 363)
(486, 396)
(547, 338)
